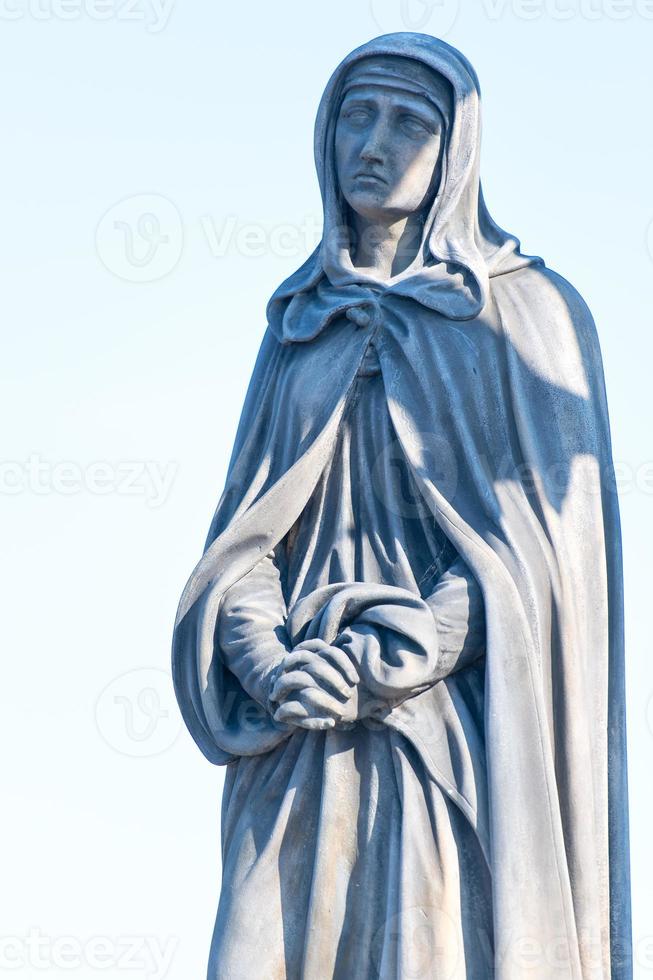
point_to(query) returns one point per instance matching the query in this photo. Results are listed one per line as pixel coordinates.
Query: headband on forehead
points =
(395, 71)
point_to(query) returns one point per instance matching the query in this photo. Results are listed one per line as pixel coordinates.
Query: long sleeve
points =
(405, 646)
(253, 638)
(250, 629)
(458, 610)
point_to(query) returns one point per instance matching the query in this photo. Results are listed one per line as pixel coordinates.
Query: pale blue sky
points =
(201, 116)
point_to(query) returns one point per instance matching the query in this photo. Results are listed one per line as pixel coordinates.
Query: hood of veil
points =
(462, 248)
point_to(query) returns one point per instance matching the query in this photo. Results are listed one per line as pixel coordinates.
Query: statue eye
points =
(415, 127)
(357, 116)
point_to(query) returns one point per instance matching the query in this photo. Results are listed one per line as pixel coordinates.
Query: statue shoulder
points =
(552, 303)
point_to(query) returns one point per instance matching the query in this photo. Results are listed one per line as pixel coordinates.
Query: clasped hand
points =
(316, 686)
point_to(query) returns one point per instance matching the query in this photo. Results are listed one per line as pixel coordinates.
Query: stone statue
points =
(404, 639)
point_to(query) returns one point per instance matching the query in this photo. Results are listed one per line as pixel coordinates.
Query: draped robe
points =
(338, 810)
(488, 809)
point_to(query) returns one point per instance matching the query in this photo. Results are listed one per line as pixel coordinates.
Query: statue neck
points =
(386, 249)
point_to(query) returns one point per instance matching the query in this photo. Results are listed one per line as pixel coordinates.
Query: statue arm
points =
(254, 642)
(256, 648)
(250, 630)
(406, 655)
(459, 614)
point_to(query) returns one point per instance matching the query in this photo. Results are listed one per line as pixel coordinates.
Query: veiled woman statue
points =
(404, 639)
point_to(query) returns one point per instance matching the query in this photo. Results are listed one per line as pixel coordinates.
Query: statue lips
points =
(368, 175)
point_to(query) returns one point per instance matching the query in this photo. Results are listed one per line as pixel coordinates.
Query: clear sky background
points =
(157, 183)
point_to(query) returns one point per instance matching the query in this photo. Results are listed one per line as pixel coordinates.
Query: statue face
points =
(387, 146)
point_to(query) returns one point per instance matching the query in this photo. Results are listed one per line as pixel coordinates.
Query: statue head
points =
(398, 134)
(389, 137)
